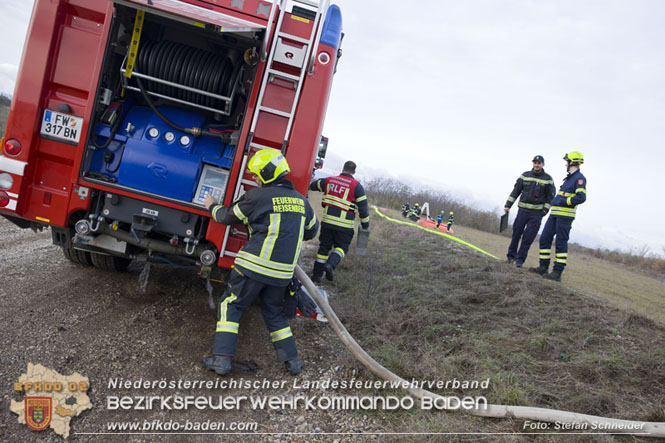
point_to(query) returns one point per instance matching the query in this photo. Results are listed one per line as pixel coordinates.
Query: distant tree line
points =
(391, 193)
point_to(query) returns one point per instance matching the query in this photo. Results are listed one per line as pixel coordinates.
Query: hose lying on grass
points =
(607, 425)
(442, 234)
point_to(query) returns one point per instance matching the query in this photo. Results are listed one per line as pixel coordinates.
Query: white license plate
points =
(61, 126)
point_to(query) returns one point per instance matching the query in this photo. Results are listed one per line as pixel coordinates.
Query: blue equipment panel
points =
(148, 155)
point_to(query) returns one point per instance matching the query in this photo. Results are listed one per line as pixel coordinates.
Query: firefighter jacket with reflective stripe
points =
(571, 193)
(343, 196)
(278, 219)
(537, 191)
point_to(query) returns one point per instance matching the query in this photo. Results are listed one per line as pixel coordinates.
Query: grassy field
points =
(430, 309)
(630, 291)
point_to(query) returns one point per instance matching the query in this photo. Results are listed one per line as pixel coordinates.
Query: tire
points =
(77, 256)
(110, 262)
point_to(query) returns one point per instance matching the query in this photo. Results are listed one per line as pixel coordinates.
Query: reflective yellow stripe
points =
(545, 254)
(580, 190)
(340, 251)
(560, 260)
(265, 262)
(281, 334)
(214, 211)
(562, 254)
(238, 213)
(537, 180)
(271, 236)
(360, 199)
(301, 234)
(336, 201)
(318, 185)
(566, 194)
(227, 326)
(529, 206)
(365, 220)
(222, 311)
(312, 223)
(321, 258)
(511, 199)
(337, 221)
(264, 271)
(547, 206)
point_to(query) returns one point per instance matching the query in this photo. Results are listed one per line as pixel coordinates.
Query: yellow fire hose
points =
(442, 234)
(611, 425)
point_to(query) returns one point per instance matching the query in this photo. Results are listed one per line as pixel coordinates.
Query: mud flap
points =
(363, 240)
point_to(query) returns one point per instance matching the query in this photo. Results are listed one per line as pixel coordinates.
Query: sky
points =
(460, 95)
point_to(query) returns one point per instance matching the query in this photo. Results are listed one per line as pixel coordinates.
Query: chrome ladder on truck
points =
(302, 59)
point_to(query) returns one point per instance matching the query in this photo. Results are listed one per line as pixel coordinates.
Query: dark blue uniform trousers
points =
(240, 293)
(526, 226)
(335, 239)
(560, 227)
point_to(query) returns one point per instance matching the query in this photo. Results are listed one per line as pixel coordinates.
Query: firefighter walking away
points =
(564, 205)
(343, 197)
(278, 219)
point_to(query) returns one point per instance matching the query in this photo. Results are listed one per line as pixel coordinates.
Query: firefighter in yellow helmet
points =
(278, 219)
(572, 193)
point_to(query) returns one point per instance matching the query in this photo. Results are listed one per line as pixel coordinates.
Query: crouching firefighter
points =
(343, 196)
(571, 194)
(278, 219)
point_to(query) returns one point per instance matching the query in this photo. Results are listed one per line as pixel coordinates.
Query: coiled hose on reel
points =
(187, 66)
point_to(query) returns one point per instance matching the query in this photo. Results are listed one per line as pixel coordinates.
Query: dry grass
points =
(430, 309)
(630, 291)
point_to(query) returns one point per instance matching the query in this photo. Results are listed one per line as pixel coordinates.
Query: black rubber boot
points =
(329, 270)
(294, 366)
(221, 364)
(555, 275)
(317, 272)
(540, 270)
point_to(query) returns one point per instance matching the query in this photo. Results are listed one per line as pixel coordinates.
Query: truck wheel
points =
(77, 256)
(110, 262)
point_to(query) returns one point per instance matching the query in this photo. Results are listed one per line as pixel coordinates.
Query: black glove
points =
(365, 225)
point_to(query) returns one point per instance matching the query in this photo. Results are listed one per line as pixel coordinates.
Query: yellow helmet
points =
(269, 164)
(575, 157)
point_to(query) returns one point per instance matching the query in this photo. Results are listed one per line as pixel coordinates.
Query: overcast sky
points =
(460, 95)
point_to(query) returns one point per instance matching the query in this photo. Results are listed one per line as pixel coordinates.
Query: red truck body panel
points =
(61, 66)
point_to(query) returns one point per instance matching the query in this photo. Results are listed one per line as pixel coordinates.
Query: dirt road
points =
(71, 318)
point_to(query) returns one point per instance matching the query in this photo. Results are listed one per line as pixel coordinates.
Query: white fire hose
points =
(610, 425)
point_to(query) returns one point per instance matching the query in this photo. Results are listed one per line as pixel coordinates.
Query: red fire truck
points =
(127, 113)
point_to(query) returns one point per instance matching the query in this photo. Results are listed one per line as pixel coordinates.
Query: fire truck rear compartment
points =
(169, 130)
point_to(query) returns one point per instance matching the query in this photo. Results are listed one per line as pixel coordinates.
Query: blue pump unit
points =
(148, 155)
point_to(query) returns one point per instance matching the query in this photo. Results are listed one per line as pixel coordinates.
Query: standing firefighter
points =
(537, 190)
(439, 219)
(278, 219)
(343, 195)
(571, 193)
(451, 219)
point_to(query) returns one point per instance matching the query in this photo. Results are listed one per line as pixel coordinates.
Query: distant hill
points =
(4, 112)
